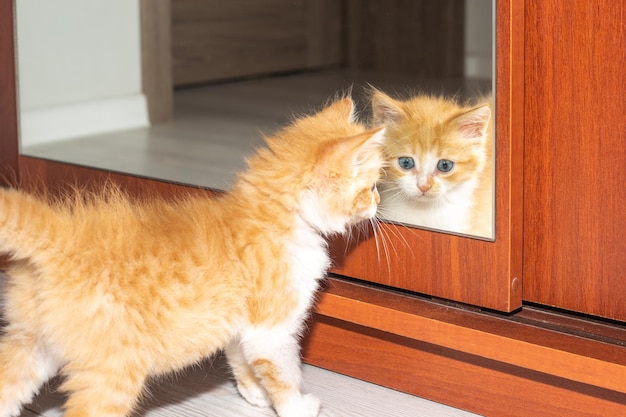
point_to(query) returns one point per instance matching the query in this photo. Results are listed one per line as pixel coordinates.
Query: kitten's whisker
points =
(380, 242)
(375, 227)
(372, 222)
(409, 229)
(393, 229)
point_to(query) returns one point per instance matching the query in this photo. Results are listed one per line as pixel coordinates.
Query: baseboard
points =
(49, 124)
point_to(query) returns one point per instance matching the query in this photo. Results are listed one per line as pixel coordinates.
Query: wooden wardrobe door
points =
(575, 156)
(458, 268)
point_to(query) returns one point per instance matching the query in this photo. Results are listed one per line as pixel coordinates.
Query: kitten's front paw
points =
(254, 394)
(300, 406)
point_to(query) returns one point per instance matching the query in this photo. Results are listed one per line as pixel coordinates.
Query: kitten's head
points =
(325, 167)
(434, 145)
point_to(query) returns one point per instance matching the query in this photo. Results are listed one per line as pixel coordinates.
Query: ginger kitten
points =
(110, 292)
(439, 171)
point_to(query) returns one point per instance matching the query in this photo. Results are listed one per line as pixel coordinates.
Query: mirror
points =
(245, 69)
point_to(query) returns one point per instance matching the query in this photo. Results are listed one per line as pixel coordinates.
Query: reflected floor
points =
(216, 126)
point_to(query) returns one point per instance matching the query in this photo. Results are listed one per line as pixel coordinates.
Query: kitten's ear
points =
(474, 123)
(344, 108)
(366, 143)
(385, 109)
(354, 151)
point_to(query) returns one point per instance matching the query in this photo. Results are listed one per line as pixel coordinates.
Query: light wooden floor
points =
(207, 391)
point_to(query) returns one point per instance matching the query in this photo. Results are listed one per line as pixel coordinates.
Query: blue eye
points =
(406, 162)
(445, 165)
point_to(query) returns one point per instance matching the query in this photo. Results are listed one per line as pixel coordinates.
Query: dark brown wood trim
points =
(8, 96)
(526, 345)
(452, 377)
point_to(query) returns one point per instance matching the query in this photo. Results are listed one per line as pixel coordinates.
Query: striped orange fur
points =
(110, 291)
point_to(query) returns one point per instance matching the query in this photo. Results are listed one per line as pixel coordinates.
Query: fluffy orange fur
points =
(439, 171)
(109, 291)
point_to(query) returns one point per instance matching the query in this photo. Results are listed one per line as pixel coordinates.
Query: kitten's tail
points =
(27, 224)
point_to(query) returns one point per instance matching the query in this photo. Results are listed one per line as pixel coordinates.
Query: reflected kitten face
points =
(434, 146)
(425, 175)
(427, 186)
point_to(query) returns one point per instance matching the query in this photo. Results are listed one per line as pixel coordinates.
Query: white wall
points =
(479, 37)
(79, 68)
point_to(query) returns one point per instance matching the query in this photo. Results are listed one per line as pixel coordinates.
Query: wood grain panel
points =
(575, 193)
(464, 381)
(214, 40)
(8, 103)
(507, 341)
(453, 267)
(423, 38)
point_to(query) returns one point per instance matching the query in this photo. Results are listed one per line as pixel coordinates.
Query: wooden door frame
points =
(575, 85)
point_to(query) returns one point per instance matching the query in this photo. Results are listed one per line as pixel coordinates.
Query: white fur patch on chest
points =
(309, 263)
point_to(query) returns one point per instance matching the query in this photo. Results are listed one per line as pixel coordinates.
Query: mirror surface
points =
(243, 71)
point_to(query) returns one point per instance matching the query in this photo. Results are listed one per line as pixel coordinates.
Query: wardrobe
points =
(532, 322)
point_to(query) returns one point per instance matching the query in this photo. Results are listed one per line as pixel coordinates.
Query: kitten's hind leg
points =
(274, 356)
(25, 365)
(248, 385)
(107, 388)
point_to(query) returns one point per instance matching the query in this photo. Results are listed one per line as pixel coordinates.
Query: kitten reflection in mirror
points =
(110, 291)
(439, 171)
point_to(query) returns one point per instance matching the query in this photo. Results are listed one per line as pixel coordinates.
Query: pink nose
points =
(425, 187)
